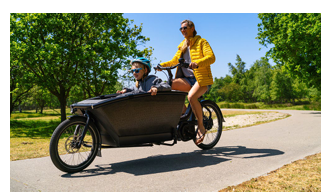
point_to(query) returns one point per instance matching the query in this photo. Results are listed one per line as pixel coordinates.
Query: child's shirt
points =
(148, 82)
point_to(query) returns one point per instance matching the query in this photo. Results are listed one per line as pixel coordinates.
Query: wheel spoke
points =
(213, 125)
(64, 150)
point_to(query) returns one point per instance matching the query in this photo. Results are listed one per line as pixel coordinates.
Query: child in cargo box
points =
(141, 68)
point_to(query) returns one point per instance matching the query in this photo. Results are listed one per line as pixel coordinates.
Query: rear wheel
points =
(65, 153)
(212, 121)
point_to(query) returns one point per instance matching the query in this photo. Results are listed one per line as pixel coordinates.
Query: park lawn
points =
(25, 148)
(30, 138)
(306, 105)
(299, 176)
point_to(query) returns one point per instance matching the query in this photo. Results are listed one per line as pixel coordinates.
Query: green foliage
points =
(231, 92)
(74, 49)
(296, 39)
(20, 84)
(260, 83)
(298, 105)
(238, 70)
(60, 59)
(214, 94)
(262, 79)
(281, 86)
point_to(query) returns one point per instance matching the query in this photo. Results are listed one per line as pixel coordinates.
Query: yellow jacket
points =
(202, 54)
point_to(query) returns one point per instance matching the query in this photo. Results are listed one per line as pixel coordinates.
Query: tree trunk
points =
(11, 104)
(62, 101)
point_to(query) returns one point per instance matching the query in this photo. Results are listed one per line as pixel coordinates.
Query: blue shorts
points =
(190, 80)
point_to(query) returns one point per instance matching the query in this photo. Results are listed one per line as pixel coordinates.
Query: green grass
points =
(285, 106)
(30, 133)
(33, 128)
(299, 176)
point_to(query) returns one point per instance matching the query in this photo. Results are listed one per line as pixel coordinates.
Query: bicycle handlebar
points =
(181, 64)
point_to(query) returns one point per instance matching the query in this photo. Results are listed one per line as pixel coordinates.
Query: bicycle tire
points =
(77, 158)
(212, 119)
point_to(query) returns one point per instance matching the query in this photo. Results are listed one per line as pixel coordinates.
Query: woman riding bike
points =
(197, 52)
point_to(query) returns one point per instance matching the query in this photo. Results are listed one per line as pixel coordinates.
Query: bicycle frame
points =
(117, 121)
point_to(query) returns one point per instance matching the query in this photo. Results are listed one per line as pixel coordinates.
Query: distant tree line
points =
(261, 83)
(296, 49)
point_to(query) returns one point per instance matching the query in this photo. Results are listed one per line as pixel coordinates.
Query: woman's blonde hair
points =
(189, 24)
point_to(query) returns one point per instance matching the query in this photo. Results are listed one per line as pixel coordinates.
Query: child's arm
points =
(159, 85)
(124, 90)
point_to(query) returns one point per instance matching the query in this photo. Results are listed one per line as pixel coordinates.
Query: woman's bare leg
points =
(195, 93)
(181, 85)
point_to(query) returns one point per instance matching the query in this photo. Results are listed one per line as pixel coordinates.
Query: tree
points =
(231, 92)
(262, 80)
(40, 97)
(300, 90)
(296, 39)
(64, 50)
(281, 86)
(248, 85)
(20, 84)
(238, 70)
(215, 87)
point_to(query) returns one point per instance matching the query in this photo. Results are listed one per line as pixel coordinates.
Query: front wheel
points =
(212, 121)
(65, 153)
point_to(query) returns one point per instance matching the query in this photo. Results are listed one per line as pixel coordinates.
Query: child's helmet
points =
(144, 61)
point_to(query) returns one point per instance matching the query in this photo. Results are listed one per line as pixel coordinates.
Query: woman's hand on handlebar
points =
(193, 65)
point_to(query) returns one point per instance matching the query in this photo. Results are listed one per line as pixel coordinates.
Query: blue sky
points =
(228, 34)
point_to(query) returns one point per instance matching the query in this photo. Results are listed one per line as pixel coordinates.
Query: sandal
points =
(200, 139)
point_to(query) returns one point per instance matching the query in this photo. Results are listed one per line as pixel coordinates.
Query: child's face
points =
(140, 73)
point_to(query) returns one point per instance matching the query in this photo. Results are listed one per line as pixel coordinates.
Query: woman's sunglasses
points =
(183, 28)
(135, 70)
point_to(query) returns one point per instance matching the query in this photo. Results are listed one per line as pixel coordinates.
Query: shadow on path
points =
(175, 162)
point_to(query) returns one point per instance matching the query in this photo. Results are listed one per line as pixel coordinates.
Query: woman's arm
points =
(174, 61)
(208, 55)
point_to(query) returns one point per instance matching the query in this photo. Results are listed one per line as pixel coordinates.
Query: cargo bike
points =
(130, 120)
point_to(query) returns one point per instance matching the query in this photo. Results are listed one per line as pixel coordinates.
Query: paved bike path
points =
(240, 155)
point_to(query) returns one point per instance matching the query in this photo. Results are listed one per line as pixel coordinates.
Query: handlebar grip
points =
(161, 67)
(158, 67)
(186, 65)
